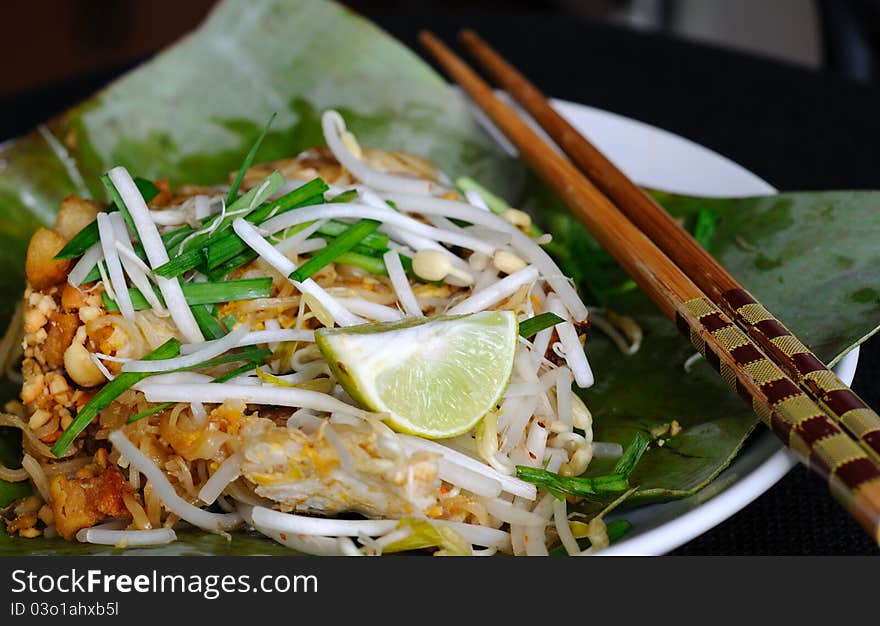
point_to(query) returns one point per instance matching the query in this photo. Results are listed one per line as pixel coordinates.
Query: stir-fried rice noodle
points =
(37, 475)
(13, 475)
(126, 538)
(284, 449)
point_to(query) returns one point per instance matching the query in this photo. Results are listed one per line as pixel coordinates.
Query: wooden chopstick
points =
(822, 445)
(817, 380)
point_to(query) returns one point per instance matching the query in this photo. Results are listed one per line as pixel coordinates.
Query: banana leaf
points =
(191, 114)
(810, 257)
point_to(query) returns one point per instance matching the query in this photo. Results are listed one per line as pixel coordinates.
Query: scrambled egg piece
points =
(348, 469)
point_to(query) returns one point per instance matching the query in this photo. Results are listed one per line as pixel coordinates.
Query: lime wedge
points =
(435, 377)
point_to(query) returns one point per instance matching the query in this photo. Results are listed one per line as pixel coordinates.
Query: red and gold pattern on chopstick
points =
(852, 476)
(808, 371)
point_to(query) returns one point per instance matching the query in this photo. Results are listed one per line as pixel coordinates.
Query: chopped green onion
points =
(588, 488)
(310, 193)
(495, 203)
(367, 250)
(232, 264)
(176, 237)
(254, 197)
(208, 324)
(367, 263)
(230, 244)
(95, 273)
(256, 358)
(376, 241)
(180, 264)
(228, 290)
(407, 267)
(191, 255)
(204, 293)
(632, 454)
(374, 264)
(108, 393)
(148, 412)
(350, 195)
(375, 244)
(229, 322)
(346, 196)
(120, 204)
(625, 287)
(343, 243)
(594, 487)
(92, 276)
(305, 195)
(617, 528)
(146, 187)
(704, 229)
(248, 160)
(178, 234)
(534, 325)
(251, 355)
(88, 236)
(236, 372)
(224, 248)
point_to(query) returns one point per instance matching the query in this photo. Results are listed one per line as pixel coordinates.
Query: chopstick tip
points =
(468, 35)
(426, 37)
(434, 45)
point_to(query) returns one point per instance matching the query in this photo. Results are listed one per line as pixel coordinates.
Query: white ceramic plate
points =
(657, 158)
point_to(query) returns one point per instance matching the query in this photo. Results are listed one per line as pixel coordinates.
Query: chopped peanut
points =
(34, 320)
(72, 299)
(33, 386)
(57, 384)
(89, 313)
(39, 418)
(80, 367)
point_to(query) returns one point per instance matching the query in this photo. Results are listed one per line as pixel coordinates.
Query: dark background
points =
(789, 92)
(46, 41)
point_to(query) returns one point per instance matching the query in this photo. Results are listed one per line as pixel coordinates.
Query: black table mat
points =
(795, 128)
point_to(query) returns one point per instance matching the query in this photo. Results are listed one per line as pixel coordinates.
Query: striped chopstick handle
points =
(806, 370)
(818, 441)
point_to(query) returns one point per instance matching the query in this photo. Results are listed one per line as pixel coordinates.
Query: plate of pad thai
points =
(346, 351)
(370, 337)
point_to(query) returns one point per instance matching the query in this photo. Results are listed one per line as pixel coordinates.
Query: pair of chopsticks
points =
(810, 409)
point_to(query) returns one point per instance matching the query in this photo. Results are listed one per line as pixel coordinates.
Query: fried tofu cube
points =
(74, 215)
(40, 266)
